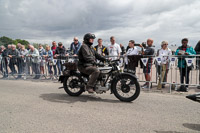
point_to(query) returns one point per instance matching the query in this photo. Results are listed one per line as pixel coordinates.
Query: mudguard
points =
(135, 77)
(121, 75)
(70, 73)
(61, 78)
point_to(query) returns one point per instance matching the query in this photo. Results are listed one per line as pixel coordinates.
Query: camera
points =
(143, 44)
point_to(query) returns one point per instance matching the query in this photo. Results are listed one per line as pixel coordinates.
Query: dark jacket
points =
(87, 56)
(150, 51)
(133, 61)
(61, 52)
(14, 54)
(197, 48)
(127, 48)
(123, 50)
(103, 50)
(4, 54)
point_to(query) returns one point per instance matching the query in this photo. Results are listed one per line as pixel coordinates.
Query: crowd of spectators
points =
(32, 58)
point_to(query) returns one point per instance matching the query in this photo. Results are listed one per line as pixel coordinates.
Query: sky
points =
(44, 21)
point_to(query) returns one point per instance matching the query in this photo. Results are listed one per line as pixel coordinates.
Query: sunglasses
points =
(75, 40)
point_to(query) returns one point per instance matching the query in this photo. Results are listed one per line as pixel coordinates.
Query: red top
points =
(184, 49)
(53, 48)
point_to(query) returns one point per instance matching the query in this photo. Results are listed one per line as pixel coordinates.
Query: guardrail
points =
(28, 67)
(32, 66)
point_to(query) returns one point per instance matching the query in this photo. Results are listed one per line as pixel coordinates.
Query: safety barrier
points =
(180, 70)
(30, 66)
(183, 70)
(27, 67)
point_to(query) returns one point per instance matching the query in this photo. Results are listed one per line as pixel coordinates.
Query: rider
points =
(87, 61)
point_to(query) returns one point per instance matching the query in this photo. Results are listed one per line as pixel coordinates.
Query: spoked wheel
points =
(73, 86)
(126, 88)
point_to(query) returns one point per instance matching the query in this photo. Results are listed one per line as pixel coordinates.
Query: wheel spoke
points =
(131, 93)
(123, 85)
(71, 80)
(127, 94)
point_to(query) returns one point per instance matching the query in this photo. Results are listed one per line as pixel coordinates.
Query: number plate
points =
(71, 60)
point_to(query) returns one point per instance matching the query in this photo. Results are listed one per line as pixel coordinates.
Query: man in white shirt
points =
(34, 54)
(114, 49)
(131, 51)
(131, 58)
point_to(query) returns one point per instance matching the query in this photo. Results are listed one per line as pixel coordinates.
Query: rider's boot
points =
(89, 89)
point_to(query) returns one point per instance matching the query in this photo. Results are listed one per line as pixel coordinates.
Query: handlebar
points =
(115, 60)
(110, 62)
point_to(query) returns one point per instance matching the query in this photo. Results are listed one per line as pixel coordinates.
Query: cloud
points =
(48, 20)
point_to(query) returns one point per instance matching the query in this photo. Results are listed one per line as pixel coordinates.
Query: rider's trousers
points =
(93, 72)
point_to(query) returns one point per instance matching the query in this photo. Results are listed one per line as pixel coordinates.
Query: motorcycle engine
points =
(100, 88)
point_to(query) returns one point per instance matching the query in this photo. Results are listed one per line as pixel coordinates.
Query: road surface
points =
(39, 107)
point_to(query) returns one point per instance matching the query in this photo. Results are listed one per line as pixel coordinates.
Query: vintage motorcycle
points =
(124, 86)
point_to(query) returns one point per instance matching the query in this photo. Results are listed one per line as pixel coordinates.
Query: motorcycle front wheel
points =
(73, 85)
(126, 88)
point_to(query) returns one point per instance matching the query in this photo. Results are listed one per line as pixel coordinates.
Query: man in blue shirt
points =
(75, 46)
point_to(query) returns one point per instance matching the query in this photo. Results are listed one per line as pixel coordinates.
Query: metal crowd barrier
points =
(191, 69)
(139, 69)
(18, 66)
(173, 76)
(173, 72)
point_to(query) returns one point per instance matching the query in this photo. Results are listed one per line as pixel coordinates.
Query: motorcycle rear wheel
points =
(72, 85)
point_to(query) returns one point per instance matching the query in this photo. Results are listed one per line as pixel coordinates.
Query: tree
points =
(36, 45)
(15, 42)
(23, 42)
(6, 40)
(1, 43)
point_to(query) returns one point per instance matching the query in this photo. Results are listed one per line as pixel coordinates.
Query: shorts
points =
(42, 63)
(147, 68)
